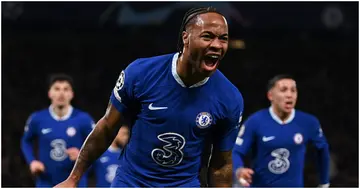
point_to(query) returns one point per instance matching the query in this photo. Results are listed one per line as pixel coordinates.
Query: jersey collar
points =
(56, 117)
(277, 119)
(177, 77)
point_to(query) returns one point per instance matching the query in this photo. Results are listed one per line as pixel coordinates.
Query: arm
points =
(87, 125)
(220, 167)
(243, 143)
(27, 146)
(323, 155)
(97, 142)
(107, 127)
(27, 139)
(323, 162)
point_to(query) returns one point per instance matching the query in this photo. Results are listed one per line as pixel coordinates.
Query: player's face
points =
(61, 93)
(284, 95)
(208, 42)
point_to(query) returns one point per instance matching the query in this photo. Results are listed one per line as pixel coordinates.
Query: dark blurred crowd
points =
(323, 60)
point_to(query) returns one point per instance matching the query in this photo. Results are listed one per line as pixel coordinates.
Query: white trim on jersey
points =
(177, 77)
(117, 96)
(56, 117)
(277, 119)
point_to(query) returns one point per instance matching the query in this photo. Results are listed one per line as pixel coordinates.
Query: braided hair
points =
(189, 16)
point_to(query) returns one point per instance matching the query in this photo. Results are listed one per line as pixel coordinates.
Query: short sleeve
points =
(229, 127)
(123, 96)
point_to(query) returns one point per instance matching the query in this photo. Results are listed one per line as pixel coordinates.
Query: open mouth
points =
(211, 60)
(289, 104)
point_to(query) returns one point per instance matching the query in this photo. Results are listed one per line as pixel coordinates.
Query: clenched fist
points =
(73, 153)
(36, 167)
(244, 175)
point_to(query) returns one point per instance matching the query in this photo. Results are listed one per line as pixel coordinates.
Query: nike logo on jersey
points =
(46, 131)
(151, 107)
(267, 139)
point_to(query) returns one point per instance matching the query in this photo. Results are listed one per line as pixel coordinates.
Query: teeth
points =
(214, 56)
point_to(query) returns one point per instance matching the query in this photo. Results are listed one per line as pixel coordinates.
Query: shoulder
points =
(81, 114)
(257, 117)
(306, 117)
(307, 120)
(159, 58)
(35, 118)
(145, 69)
(140, 65)
(37, 115)
(228, 92)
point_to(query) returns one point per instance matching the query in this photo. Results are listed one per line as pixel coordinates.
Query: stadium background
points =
(93, 42)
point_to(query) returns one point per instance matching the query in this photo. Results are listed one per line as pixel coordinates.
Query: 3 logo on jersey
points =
(203, 120)
(281, 162)
(171, 153)
(111, 172)
(58, 151)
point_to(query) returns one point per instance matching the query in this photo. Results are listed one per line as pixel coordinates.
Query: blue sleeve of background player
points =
(229, 127)
(122, 96)
(323, 153)
(28, 137)
(88, 125)
(243, 143)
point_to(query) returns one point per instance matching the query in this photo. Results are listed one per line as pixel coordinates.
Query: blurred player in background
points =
(105, 167)
(278, 136)
(178, 99)
(60, 131)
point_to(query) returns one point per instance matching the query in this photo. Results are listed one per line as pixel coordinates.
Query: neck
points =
(186, 71)
(61, 111)
(282, 115)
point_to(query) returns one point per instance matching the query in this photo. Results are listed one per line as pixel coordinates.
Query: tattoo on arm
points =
(97, 142)
(220, 169)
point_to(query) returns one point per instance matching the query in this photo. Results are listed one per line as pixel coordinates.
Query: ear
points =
(72, 95)
(49, 94)
(269, 95)
(185, 38)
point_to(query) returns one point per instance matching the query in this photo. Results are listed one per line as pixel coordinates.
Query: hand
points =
(36, 167)
(324, 185)
(68, 183)
(244, 175)
(73, 153)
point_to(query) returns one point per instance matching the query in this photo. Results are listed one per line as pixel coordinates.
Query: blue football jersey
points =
(105, 167)
(172, 122)
(54, 137)
(278, 148)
